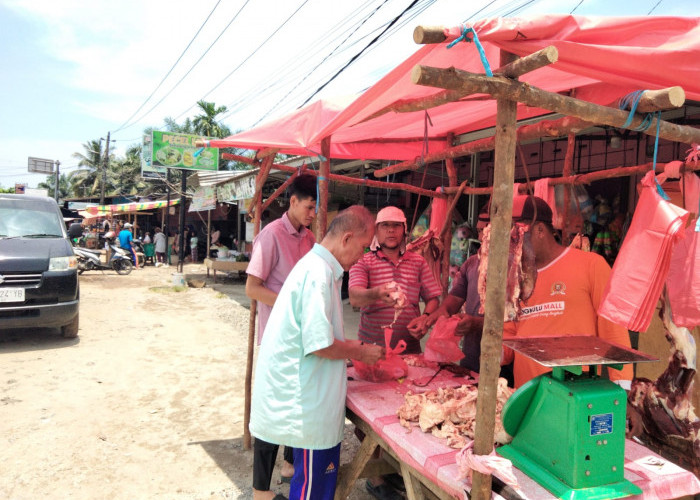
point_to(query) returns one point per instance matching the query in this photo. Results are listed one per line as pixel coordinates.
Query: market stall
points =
(575, 67)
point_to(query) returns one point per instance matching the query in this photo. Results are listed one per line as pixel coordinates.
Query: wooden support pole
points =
(259, 182)
(502, 88)
(341, 179)
(492, 334)
(519, 67)
(567, 172)
(323, 178)
(446, 232)
(280, 189)
(424, 35)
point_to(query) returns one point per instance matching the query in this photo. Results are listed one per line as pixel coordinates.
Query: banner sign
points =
(237, 189)
(204, 199)
(179, 151)
(148, 171)
(40, 165)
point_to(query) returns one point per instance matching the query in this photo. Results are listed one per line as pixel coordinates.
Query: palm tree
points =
(206, 124)
(86, 181)
(64, 186)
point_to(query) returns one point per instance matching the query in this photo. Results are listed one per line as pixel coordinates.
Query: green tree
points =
(205, 124)
(124, 174)
(87, 180)
(64, 186)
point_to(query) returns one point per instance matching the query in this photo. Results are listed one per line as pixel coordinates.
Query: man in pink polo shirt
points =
(276, 250)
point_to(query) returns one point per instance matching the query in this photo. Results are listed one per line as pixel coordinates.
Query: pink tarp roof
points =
(602, 58)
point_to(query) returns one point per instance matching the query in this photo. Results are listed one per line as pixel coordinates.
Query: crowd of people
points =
(300, 379)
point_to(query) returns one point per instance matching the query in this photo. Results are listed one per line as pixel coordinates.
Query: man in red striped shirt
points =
(374, 277)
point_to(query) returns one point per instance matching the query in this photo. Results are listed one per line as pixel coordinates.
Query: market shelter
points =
(417, 110)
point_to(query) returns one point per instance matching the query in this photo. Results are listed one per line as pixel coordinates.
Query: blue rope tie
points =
(479, 47)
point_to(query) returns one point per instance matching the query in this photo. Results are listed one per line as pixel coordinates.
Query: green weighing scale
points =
(568, 425)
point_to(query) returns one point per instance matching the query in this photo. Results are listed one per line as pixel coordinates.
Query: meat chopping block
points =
(569, 425)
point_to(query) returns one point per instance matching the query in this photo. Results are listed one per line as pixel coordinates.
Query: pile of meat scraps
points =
(450, 413)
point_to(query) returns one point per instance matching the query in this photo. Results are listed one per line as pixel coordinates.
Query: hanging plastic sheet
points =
(644, 259)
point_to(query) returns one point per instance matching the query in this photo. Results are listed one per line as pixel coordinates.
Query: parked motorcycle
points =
(89, 260)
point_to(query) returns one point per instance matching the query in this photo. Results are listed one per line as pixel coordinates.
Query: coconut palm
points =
(205, 124)
(86, 181)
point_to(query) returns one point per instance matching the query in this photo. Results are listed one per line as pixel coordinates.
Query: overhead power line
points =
(194, 65)
(247, 58)
(356, 56)
(170, 70)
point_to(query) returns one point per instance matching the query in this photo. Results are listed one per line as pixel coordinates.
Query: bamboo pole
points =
(341, 179)
(544, 128)
(492, 334)
(259, 182)
(519, 67)
(322, 180)
(502, 88)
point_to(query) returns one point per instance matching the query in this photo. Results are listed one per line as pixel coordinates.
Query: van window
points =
(29, 219)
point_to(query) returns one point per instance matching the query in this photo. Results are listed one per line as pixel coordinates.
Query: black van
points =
(38, 270)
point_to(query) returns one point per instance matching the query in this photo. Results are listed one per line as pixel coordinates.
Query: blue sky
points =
(74, 69)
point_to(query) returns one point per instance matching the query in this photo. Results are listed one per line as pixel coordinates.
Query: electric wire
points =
(577, 6)
(248, 57)
(654, 7)
(356, 56)
(170, 70)
(194, 65)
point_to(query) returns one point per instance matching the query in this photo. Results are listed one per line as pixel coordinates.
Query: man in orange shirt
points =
(569, 287)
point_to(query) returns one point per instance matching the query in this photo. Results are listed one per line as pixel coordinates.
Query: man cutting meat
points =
(388, 284)
(301, 379)
(382, 272)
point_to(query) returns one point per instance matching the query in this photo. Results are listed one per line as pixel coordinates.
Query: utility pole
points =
(104, 172)
(58, 177)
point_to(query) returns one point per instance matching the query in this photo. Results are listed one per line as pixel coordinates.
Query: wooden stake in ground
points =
(492, 334)
(259, 182)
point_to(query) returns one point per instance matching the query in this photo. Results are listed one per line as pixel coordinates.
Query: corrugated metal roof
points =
(203, 178)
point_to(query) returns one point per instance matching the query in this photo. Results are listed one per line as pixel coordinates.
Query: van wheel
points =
(70, 331)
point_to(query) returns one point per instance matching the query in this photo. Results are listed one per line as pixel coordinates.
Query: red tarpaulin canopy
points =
(601, 58)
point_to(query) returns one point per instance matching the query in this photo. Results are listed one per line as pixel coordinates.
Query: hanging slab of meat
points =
(670, 423)
(522, 271)
(450, 413)
(430, 248)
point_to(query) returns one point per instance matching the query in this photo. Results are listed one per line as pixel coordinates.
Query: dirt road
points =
(146, 403)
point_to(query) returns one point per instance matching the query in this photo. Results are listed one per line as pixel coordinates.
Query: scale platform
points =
(569, 425)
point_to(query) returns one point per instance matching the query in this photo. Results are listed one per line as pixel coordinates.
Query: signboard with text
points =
(172, 150)
(236, 189)
(40, 165)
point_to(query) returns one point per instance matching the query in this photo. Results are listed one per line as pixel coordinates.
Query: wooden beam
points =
(504, 88)
(280, 190)
(266, 153)
(567, 171)
(659, 100)
(544, 128)
(424, 35)
(323, 178)
(260, 180)
(519, 67)
(341, 179)
(496, 277)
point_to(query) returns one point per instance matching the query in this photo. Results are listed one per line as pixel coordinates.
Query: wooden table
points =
(429, 467)
(225, 265)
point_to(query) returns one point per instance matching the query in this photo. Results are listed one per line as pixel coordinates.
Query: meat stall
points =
(546, 70)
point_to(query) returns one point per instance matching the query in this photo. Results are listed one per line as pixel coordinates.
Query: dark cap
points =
(527, 208)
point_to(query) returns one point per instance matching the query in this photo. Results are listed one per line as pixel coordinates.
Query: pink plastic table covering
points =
(376, 404)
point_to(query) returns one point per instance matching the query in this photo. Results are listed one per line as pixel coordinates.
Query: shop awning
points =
(124, 208)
